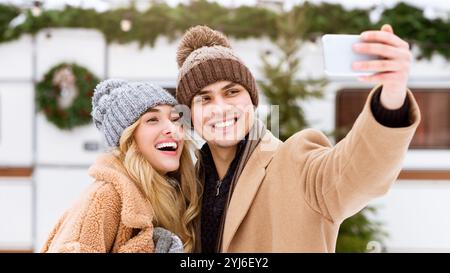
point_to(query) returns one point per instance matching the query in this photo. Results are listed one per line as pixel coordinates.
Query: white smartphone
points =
(339, 55)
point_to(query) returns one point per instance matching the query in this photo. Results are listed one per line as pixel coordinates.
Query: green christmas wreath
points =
(64, 95)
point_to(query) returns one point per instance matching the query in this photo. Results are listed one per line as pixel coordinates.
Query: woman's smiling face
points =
(160, 138)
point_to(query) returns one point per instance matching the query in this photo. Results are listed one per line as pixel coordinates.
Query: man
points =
(262, 195)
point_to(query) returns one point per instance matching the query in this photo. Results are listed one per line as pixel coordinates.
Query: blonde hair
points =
(176, 208)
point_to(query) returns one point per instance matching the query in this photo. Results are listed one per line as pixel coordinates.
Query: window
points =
(433, 131)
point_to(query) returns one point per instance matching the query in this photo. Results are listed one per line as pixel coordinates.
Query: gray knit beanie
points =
(117, 104)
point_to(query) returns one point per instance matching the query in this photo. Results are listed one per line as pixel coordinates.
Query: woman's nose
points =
(168, 130)
(171, 128)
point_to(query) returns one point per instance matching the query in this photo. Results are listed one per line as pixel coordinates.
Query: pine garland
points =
(431, 36)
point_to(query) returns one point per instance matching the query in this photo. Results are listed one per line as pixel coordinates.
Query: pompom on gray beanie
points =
(117, 104)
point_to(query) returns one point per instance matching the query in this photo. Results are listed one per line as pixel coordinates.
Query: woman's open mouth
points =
(168, 147)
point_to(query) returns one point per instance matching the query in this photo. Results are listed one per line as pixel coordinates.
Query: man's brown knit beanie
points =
(204, 56)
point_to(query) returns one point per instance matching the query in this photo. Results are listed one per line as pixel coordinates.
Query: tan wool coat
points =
(111, 216)
(292, 196)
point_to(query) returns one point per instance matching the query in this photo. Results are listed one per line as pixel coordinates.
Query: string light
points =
(126, 24)
(36, 9)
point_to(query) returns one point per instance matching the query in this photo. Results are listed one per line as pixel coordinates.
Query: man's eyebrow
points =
(203, 92)
(228, 86)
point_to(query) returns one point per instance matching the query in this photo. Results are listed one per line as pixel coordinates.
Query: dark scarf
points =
(255, 135)
(243, 154)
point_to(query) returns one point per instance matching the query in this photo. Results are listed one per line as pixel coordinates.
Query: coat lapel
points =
(247, 186)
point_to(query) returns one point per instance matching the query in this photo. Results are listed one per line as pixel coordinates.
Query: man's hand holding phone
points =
(392, 71)
(376, 56)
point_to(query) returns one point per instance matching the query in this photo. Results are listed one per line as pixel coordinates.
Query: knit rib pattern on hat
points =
(204, 57)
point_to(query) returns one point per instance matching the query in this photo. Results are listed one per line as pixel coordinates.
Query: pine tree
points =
(359, 233)
(282, 87)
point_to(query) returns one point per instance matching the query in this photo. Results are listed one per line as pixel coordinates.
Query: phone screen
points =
(339, 55)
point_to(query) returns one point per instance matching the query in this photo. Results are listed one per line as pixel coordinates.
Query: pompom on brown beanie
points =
(204, 56)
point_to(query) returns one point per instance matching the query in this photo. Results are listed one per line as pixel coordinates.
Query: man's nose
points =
(221, 107)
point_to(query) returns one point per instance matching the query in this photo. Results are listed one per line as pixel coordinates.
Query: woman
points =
(145, 197)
